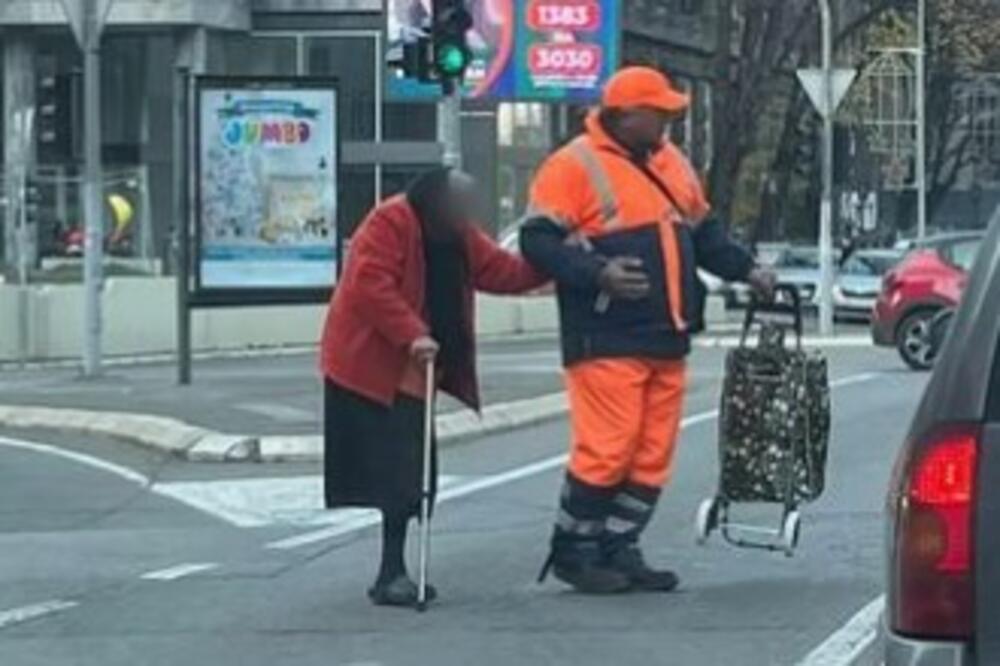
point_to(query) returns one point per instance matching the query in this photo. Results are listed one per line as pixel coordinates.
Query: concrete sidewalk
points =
(262, 407)
(268, 408)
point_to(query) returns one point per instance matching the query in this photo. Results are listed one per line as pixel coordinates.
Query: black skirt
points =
(374, 453)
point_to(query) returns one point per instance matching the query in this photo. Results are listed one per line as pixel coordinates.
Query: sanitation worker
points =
(619, 220)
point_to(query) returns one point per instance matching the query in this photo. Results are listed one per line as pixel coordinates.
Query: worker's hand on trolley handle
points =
(624, 278)
(763, 281)
(424, 349)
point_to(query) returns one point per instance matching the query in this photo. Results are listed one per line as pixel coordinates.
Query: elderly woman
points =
(406, 297)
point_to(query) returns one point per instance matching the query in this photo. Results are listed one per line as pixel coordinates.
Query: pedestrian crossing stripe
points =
(265, 502)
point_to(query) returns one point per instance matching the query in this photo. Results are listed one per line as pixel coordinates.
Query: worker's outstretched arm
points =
(719, 254)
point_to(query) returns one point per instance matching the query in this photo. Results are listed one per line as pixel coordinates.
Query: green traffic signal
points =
(452, 60)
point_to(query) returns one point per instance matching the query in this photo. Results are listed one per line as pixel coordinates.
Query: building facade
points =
(148, 42)
(145, 44)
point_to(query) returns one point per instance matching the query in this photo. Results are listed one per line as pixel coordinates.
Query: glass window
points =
(403, 121)
(351, 60)
(963, 254)
(857, 266)
(805, 259)
(252, 55)
(356, 196)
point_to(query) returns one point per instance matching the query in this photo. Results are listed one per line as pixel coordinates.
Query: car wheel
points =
(913, 340)
(938, 329)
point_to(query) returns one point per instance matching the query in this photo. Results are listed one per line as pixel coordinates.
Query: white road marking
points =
(849, 642)
(261, 502)
(372, 518)
(179, 571)
(14, 616)
(280, 413)
(81, 458)
(359, 520)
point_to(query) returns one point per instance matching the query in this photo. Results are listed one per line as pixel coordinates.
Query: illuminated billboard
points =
(526, 50)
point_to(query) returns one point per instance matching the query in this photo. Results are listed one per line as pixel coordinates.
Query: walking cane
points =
(425, 490)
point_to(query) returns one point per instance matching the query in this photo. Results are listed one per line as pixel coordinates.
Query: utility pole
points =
(826, 205)
(92, 188)
(450, 127)
(921, 102)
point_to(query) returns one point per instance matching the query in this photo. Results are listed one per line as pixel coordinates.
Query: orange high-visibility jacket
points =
(593, 191)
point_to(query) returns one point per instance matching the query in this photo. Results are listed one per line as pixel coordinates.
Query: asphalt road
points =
(113, 556)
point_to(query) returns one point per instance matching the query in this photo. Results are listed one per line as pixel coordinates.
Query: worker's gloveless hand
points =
(624, 278)
(763, 281)
(424, 349)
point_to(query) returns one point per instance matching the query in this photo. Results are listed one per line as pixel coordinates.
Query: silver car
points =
(943, 546)
(859, 281)
(799, 267)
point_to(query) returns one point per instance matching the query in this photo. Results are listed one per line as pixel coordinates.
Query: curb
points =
(197, 444)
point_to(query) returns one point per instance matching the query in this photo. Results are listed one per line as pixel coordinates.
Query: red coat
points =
(377, 310)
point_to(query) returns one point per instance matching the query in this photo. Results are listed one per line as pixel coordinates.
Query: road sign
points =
(76, 14)
(813, 79)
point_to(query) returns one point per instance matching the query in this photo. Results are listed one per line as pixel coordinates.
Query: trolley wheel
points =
(790, 528)
(707, 519)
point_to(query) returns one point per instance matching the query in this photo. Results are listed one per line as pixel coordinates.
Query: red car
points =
(931, 277)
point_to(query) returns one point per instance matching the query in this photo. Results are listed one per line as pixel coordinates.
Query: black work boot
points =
(626, 558)
(581, 565)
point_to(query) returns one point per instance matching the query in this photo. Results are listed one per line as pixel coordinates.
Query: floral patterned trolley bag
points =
(774, 429)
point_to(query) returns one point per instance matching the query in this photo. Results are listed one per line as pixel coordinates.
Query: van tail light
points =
(933, 589)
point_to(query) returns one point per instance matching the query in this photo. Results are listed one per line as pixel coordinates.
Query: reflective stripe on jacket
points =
(590, 202)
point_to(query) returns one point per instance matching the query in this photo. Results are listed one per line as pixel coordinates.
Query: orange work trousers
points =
(625, 416)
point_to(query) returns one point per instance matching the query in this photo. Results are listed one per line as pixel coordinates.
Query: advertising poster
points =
(267, 186)
(523, 50)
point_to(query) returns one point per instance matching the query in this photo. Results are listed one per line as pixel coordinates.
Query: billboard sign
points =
(526, 50)
(267, 168)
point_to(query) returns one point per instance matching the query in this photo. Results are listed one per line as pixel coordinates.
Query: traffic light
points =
(418, 60)
(452, 55)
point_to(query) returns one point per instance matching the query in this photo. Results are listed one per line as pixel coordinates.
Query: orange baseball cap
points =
(634, 87)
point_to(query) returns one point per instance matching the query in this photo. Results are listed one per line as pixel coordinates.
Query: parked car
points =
(859, 280)
(931, 277)
(737, 295)
(799, 267)
(943, 545)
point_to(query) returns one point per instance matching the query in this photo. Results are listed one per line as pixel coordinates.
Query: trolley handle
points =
(759, 306)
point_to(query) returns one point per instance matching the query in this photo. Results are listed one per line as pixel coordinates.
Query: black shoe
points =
(581, 567)
(628, 560)
(400, 591)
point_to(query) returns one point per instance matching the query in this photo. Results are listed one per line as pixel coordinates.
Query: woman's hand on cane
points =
(424, 348)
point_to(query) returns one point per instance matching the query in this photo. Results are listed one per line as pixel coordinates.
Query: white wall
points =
(140, 318)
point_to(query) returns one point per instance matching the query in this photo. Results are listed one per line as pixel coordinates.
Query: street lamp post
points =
(826, 205)
(921, 113)
(92, 181)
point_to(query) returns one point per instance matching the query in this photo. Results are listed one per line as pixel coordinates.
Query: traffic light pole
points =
(450, 126)
(94, 240)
